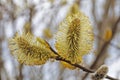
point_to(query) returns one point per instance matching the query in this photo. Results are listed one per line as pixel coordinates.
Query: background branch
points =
(103, 48)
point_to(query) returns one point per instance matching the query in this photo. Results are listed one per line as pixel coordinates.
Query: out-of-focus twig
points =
(100, 25)
(106, 9)
(94, 10)
(20, 77)
(78, 2)
(2, 68)
(112, 44)
(104, 47)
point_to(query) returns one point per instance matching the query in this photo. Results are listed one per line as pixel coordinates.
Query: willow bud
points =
(100, 73)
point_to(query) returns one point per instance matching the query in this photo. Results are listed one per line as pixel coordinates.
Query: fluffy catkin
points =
(100, 73)
(74, 38)
(30, 50)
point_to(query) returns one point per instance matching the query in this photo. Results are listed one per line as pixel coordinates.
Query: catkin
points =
(30, 50)
(100, 73)
(75, 37)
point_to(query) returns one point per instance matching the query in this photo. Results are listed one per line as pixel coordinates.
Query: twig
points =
(94, 10)
(112, 44)
(59, 58)
(76, 65)
(104, 46)
(83, 68)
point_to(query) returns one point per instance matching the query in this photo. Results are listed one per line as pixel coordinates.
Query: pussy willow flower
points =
(74, 38)
(30, 50)
(100, 73)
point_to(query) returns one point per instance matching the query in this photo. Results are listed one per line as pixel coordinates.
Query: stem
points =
(59, 58)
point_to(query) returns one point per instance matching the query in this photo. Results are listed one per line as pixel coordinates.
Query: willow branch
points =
(76, 65)
(107, 43)
(114, 28)
(59, 58)
(112, 44)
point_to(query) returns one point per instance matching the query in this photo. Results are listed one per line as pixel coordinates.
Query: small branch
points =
(114, 28)
(76, 65)
(59, 58)
(111, 78)
(112, 44)
(106, 44)
(81, 67)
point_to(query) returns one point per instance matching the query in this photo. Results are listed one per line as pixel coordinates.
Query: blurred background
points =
(42, 18)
